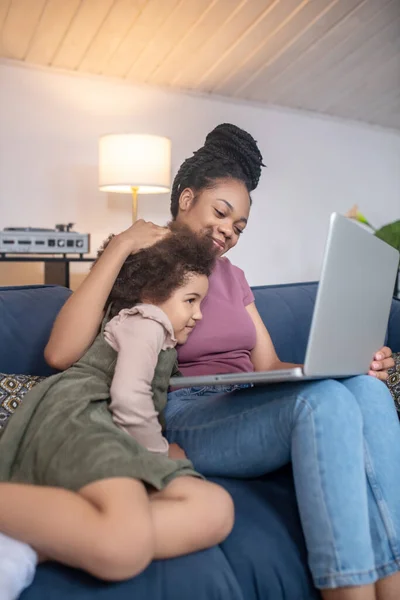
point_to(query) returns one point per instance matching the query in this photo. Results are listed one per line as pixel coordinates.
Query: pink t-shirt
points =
(222, 341)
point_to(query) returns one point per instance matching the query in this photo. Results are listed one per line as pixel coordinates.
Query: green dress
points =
(63, 434)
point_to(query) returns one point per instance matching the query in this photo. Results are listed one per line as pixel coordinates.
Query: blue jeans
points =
(343, 439)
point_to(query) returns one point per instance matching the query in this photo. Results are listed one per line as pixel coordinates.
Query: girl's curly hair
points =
(154, 273)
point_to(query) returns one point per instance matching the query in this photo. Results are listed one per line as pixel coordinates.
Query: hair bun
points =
(231, 143)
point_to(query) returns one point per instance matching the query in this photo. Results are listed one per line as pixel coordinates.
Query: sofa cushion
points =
(393, 381)
(264, 558)
(27, 314)
(12, 390)
(202, 576)
(266, 548)
(287, 312)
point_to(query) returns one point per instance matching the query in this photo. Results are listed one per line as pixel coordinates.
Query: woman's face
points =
(223, 209)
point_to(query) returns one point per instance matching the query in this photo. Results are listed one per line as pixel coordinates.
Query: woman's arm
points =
(78, 322)
(263, 355)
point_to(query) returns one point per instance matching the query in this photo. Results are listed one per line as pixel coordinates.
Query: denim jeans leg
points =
(331, 486)
(382, 459)
(319, 426)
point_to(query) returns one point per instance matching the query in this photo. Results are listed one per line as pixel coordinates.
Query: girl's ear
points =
(186, 199)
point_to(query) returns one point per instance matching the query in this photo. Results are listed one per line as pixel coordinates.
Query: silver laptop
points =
(350, 315)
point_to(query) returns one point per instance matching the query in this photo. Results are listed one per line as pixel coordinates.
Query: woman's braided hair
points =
(228, 152)
(154, 273)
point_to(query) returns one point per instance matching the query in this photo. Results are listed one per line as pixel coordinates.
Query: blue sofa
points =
(265, 557)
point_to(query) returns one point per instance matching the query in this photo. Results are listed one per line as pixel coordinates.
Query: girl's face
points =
(223, 209)
(183, 307)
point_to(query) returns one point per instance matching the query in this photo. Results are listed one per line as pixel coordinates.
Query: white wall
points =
(50, 123)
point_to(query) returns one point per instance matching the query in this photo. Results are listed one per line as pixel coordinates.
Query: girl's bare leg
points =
(190, 515)
(105, 529)
(110, 528)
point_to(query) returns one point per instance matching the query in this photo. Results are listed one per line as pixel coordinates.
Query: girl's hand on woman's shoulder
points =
(140, 235)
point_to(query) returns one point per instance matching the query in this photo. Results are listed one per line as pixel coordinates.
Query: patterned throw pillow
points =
(12, 390)
(393, 381)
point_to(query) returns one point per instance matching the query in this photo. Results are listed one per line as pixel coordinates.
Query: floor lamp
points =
(134, 164)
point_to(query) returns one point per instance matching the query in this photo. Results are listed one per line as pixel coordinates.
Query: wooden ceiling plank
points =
(272, 17)
(335, 57)
(19, 27)
(367, 75)
(84, 26)
(389, 118)
(331, 49)
(4, 8)
(148, 23)
(363, 44)
(161, 45)
(289, 54)
(388, 106)
(282, 29)
(219, 41)
(188, 46)
(111, 34)
(373, 92)
(57, 17)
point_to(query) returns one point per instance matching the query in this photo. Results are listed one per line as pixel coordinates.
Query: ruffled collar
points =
(150, 311)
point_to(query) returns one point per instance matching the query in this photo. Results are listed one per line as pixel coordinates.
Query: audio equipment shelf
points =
(56, 268)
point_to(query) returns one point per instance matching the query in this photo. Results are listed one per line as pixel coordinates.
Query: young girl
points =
(126, 499)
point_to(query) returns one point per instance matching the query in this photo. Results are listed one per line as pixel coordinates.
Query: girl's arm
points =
(78, 322)
(138, 342)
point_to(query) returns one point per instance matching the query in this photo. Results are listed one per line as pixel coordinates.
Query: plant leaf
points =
(390, 234)
(362, 219)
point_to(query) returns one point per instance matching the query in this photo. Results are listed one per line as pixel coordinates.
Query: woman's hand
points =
(78, 322)
(141, 234)
(382, 361)
(175, 452)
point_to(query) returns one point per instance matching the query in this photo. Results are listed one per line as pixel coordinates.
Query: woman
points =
(342, 438)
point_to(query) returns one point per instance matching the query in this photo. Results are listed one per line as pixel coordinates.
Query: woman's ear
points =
(186, 199)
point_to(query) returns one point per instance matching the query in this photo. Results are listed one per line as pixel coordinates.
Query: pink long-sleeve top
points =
(138, 335)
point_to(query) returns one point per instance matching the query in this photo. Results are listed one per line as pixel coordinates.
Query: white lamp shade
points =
(134, 160)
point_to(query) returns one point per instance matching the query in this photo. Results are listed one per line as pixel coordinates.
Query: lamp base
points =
(134, 203)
